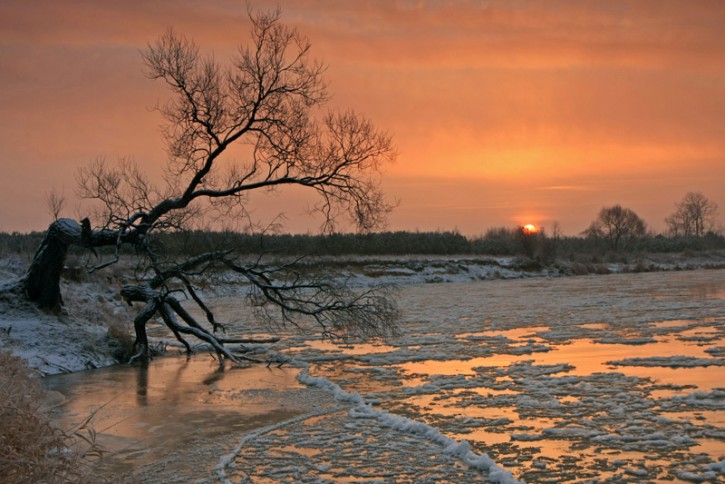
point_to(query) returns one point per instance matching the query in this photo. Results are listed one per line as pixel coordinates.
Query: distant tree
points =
(54, 202)
(619, 226)
(550, 244)
(501, 233)
(267, 98)
(694, 216)
(556, 231)
(498, 241)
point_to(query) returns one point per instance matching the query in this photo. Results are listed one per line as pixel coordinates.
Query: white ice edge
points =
(459, 449)
(227, 459)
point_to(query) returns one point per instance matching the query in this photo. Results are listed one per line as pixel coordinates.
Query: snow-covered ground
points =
(77, 339)
(497, 376)
(419, 269)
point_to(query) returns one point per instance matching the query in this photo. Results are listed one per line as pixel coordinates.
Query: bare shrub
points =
(599, 269)
(642, 266)
(120, 341)
(54, 202)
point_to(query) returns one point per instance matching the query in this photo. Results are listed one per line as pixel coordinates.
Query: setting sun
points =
(530, 228)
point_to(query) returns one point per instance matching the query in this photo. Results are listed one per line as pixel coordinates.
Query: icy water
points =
(177, 405)
(617, 378)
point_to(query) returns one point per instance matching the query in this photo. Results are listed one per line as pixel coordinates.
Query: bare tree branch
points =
(270, 98)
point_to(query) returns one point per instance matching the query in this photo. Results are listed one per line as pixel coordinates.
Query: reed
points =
(32, 448)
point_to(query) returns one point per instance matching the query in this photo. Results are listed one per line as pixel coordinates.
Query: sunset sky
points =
(503, 113)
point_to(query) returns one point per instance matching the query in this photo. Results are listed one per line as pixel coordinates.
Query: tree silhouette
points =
(269, 98)
(619, 226)
(694, 216)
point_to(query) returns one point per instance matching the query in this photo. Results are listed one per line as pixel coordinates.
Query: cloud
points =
(134, 22)
(568, 188)
(517, 34)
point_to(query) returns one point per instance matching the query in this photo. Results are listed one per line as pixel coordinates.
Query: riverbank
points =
(95, 327)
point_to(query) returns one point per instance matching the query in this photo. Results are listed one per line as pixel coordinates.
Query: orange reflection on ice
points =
(589, 357)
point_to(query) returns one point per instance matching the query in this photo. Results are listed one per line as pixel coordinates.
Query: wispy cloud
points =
(568, 188)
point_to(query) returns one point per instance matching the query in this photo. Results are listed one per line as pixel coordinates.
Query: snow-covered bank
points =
(418, 269)
(53, 344)
(74, 340)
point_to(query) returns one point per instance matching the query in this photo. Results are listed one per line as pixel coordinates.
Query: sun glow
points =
(530, 229)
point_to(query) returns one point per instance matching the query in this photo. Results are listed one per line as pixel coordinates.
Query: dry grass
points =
(32, 449)
(95, 297)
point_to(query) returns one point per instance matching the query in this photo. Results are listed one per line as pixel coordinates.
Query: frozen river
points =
(618, 377)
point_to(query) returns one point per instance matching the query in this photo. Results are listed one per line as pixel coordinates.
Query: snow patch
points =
(52, 344)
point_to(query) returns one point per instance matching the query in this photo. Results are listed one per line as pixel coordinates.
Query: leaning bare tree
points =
(269, 99)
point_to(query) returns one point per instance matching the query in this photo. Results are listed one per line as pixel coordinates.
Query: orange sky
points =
(503, 112)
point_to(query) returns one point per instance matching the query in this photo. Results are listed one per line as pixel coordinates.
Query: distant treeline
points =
(500, 241)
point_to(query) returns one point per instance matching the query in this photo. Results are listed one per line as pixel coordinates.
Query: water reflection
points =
(588, 357)
(141, 413)
(142, 386)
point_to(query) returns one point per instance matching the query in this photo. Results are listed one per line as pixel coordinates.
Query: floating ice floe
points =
(460, 449)
(714, 399)
(677, 361)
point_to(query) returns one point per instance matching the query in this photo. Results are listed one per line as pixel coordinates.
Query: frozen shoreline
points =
(77, 339)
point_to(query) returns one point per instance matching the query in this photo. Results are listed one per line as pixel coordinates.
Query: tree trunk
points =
(42, 281)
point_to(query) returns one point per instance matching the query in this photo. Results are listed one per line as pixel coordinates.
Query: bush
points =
(499, 241)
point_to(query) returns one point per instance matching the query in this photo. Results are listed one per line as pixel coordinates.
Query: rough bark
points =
(41, 283)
